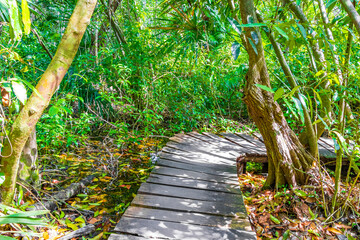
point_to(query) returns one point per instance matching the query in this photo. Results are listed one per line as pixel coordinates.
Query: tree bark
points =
(353, 14)
(28, 168)
(289, 163)
(321, 65)
(37, 103)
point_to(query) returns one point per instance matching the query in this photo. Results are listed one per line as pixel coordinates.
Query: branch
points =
(41, 43)
(353, 14)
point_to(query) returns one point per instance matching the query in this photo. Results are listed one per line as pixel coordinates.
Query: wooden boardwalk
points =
(193, 191)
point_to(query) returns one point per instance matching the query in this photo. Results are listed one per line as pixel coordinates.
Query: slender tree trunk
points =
(354, 15)
(289, 163)
(319, 56)
(37, 103)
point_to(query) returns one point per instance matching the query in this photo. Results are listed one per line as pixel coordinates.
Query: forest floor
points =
(289, 214)
(118, 173)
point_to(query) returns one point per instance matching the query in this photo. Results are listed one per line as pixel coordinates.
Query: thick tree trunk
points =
(289, 163)
(37, 103)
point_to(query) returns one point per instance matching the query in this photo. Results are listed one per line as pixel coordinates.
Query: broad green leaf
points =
(235, 50)
(282, 32)
(20, 91)
(278, 94)
(302, 30)
(53, 111)
(26, 16)
(2, 178)
(266, 88)
(235, 25)
(330, 3)
(15, 28)
(300, 193)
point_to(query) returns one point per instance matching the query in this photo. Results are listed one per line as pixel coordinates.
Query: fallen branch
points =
(80, 232)
(63, 195)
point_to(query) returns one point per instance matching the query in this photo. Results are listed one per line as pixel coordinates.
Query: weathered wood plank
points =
(193, 183)
(198, 154)
(196, 159)
(199, 167)
(116, 236)
(189, 193)
(209, 149)
(189, 218)
(249, 148)
(162, 170)
(252, 140)
(189, 205)
(170, 230)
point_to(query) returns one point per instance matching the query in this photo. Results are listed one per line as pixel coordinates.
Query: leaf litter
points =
(292, 214)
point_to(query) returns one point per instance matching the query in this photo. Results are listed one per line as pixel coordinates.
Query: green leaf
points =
(26, 16)
(278, 94)
(282, 32)
(53, 111)
(253, 46)
(253, 25)
(266, 88)
(20, 91)
(330, 3)
(6, 238)
(274, 219)
(235, 25)
(29, 214)
(15, 28)
(2, 178)
(286, 234)
(300, 193)
(235, 50)
(302, 30)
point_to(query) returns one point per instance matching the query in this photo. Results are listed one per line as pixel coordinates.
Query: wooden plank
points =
(171, 230)
(196, 159)
(216, 162)
(217, 141)
(199, 154)
(189, 205)
(116, 236)
(248, 147)
(192, 183)
(189, 193)
(199, 167)
(189, 218)
(162, 170)
(252, 140)
(205, 149)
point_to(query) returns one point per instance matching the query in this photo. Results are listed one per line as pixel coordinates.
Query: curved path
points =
(193, 191)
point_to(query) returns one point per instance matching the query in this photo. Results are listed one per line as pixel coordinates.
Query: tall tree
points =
(289, 162)
(39, 100)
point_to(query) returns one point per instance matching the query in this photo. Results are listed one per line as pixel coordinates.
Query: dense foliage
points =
(148, 69)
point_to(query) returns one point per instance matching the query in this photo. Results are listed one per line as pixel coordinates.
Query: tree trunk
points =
(353, 14)
(38, 102)
(289, 163)
(28, 168)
